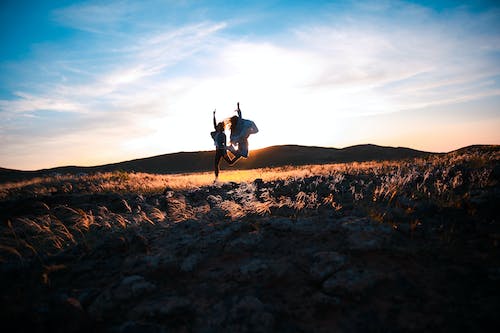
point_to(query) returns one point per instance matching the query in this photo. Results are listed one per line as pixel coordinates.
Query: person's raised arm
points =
(215, 122)
(238, 109)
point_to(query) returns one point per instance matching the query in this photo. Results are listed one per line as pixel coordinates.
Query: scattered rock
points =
(245, 242)
(189, 264)
(133, 286)
(249, 314)
(325, 264)
(161, 308)
(130, 287)
(102, 305)
(365, 235)
(197, 195)
(323, 299)
(350, 281)
(87, 296)
(254, 267)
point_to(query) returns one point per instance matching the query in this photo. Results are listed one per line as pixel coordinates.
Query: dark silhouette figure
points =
(220, 146)
(241, 129)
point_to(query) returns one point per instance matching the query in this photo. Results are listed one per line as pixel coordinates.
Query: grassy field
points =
(394, 219)
(390, 192)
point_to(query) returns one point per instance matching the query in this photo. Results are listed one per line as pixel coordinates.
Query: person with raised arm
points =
(220, 145)
(241, 129)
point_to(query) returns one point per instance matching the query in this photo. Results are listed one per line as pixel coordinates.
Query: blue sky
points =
(94, 82)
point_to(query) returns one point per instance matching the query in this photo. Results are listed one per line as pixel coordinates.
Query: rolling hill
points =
(273, 156)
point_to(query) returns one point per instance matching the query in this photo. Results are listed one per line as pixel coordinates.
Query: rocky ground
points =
(295, 255)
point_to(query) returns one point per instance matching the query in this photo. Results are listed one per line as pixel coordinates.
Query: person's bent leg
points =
(231, 161)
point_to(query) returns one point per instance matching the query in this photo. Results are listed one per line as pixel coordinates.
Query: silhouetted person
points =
(241, 129)
(220, 146)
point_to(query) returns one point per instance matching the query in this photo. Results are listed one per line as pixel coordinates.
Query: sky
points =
(95, 82)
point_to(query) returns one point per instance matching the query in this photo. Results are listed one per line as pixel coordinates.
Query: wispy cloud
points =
(432, 60)
(122, 71)
(29, 103)
(96, 16)
(148, 87)
(113, 94)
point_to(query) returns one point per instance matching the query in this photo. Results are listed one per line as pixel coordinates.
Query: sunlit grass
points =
(397, 192)
(121, 181)
(393, 175)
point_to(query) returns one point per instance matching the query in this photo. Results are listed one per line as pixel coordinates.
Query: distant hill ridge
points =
(273, 156)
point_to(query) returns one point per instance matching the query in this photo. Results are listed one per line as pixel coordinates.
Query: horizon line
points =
(257, 149)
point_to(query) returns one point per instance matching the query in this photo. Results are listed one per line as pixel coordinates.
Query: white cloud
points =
(154, 92)
(95, 16)
(31, 103)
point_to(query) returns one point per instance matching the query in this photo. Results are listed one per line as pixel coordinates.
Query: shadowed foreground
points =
(395, 247)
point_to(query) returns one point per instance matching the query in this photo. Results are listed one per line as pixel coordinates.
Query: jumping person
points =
(241, 129)
(220, 146)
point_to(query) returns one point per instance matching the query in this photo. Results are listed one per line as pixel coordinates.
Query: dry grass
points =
(389, 192)
(144, 183)
(394, 173)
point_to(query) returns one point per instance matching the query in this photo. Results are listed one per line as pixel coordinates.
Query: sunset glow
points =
(95, 82)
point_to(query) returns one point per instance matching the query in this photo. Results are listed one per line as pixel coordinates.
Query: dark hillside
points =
(184, 162)
(300, 155)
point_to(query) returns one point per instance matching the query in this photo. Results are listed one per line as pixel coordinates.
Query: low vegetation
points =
(395, 192)
(444, 205)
